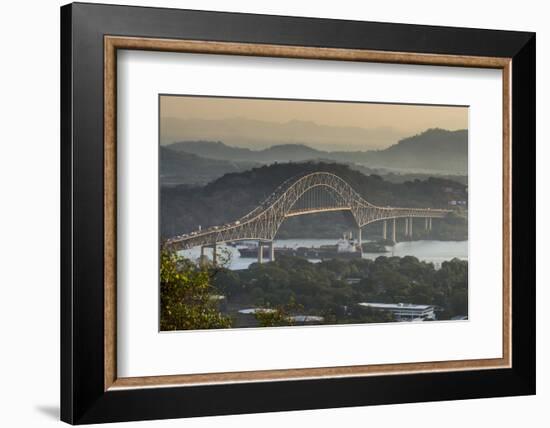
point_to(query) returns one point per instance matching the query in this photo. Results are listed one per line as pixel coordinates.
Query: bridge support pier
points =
(410, 227)
(385, 230)
(426, 223)
(394, 232)
(270, 246)
(406, 227)
(430, 224)
(260, 252)
(203, 258)
(360, 239)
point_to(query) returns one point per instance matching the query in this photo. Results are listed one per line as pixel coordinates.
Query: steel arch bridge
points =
(306, 194)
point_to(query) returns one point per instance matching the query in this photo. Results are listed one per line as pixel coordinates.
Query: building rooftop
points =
(396, 306)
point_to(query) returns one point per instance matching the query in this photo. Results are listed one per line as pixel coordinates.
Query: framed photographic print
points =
(266, 213)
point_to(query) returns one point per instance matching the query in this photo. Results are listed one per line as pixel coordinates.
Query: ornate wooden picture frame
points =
(91, 389)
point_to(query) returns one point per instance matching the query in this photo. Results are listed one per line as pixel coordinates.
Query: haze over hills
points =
(252, 133)
(435, 150)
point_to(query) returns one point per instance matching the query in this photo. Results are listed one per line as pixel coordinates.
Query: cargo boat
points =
(345, 248)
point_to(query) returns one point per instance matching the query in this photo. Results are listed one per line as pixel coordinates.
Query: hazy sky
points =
(386, 122)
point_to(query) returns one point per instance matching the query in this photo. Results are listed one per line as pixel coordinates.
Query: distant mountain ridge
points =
(177, 167)
(433, 150)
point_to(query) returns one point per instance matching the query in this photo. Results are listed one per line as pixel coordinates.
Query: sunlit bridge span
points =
(306, 194)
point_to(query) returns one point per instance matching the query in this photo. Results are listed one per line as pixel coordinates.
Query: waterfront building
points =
(405, 311)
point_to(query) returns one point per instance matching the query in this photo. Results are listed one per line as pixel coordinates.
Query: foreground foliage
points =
(188, 300)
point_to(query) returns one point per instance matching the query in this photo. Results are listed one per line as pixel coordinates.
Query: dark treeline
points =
(228, 198)
(324, 288)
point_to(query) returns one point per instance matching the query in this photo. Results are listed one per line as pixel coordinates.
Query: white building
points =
(405, 311)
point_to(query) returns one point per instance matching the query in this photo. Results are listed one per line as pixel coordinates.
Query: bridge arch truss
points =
(302, 195)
